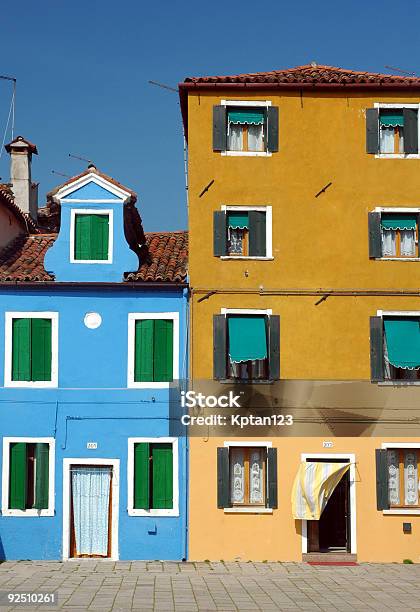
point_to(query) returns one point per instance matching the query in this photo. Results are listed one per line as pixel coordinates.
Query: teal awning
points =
(402, 222)
(254, 116)
(247, 338)
(403, 342)
(391, 119)
(237, 219)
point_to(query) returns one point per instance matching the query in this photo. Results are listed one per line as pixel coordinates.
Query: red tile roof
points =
(7, 199)
(164, 254)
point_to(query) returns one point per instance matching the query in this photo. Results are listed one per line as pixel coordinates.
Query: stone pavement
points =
(154, 586)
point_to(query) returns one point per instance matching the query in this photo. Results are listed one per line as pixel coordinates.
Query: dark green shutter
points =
(274, 347)
(219, 234)
(143, 359)
(376, 349)
(21, 349)
(82, 245)
(372, 130)
(162, 490)
(271, 477)
(219, 128)
(41, 349)
(42, 451)
(223, 480)
(375, 240)
(272, 129)
(382, 497)
(17, 476)
(219, 347)
(99, 229)
(257, 233)
(163, 350)
(141, 476)
(410, 130)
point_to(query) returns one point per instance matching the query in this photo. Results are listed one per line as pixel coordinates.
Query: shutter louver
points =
(375, 239)
(141, 476)
(376, 349)
(219, 234)
(410, 131)
(21, 349)
(223, 488)
(272, 478)
(257, 233)
(219, 347)
(17, 476)
(274, 347)
(219, 128)
(82, 245)
(143, 360)
(382, 497)
(272, 129)
(163, 350)
(42, 451)
(162, 493)
(99, 228)
(372, 130)
(41, 352)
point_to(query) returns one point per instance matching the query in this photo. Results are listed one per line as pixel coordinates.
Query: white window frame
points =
(136, 316)
(92, 211)
(402, 445)
(381, 105)
(268, 230)
(5, 510)
(8, 382)
(248, 509)
(252, 104)
(398, 313)
(396, 210)
(130, 479)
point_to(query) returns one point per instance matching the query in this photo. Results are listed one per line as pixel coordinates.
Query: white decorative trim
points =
(405, 511)
(380, 105)
(398, 313)
(120, 194)
(352, 485)
(115, 464)
(245, 103)
(132, 318)
(268, 228)
(249, 444)
(8, 382)
(5, 478)
(130, 479)
(92, 211)
(248, 510)
(252, 104)
(396, 209)
(241, 257)
(252, 311)
(246, 153)
(397, 258)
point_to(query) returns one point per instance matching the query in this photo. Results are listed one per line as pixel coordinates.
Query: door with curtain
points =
(91, 503)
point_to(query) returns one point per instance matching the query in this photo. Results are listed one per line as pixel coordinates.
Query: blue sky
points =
(82, 72)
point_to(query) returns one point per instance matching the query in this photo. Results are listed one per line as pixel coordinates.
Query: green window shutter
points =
(411, 144)
(274, 347)
(372, 130)
(375, 240)
(271, 477)
(219, 233)
(272, 129)
(382, 497)
(163, 350)
(42, 452)
(219, 347)
(82, 246)
(376, 349)
(162, 493)
(219, 128)
(223, 483)
(257, 233)
(17, 476)
(143, 360)
(99, 236)
(141, 476)
(41, 349)
(21, 349)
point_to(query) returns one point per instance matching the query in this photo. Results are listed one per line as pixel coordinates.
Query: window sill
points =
(246, 257)
(246, 153)
(41, 384)
(397, 258)
(152, 513)
(148, 385)
(240, 381)
(397, 156)
(247, 510)
(399, 383)
(28, 513)
(405, 511)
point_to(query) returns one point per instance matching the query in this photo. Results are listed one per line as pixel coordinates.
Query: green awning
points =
(403, 342)
(401, 222)
(247, 338)
(391, 119)
(246, 116)
(237, 219)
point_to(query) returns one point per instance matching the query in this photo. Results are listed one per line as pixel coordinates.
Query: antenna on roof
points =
(60, 173)
(11, 111)
(163, 86)
(81, 158)
(402, 71)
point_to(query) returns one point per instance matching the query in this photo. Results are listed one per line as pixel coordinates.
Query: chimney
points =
(25, 192)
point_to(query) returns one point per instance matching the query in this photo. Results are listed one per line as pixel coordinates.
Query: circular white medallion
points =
(92, 320)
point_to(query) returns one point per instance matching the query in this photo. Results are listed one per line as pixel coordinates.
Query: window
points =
(241, 128)
(243, 231)
(153, 476)
(392, 130)
(28, 476)
(393, 234)
(31, 349)
(247, 476)
(91, 236)
(246, 346)
(153, 349)
(403, 477)
(395, 347)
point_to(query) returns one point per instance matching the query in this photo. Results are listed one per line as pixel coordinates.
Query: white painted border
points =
(249, 103)
(115, 463)
(396, 210)
(398, 313)
(252, 311)
(248, 444)
(380, 105)
(91, 177)
(5, 479)
(268, 229)
(245, 103)
(8, 382)
(404, 511)
(351, 459)
(92, 211)
(130, 479)
(132, 318)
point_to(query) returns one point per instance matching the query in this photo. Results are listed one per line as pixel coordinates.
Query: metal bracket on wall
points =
(323, 190)
(206, 188)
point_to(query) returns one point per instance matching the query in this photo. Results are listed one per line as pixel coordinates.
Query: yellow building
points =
(304, 200)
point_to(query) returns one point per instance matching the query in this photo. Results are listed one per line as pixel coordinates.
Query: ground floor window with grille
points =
(403, 477)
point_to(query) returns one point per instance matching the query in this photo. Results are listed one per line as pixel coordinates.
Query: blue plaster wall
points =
(92, 403)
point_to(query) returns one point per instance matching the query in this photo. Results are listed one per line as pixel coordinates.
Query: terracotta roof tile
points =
(8, 200)
(23, 259)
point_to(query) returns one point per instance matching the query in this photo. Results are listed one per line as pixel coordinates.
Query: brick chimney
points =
(25, 192)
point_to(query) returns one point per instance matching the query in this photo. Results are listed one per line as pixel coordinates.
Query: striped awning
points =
(314, 484)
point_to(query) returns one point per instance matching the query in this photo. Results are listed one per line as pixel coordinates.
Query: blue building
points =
(93, 336)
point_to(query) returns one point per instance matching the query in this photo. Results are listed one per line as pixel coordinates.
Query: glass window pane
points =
(235, 137)
(388, 242)
(393, 477)
(411, 485)
(255, 138)
(408, 243)
(256, 484)
(386, 139)
(237, 475)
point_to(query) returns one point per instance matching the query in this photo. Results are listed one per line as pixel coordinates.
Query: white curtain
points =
(411, 493)
(235, 137)
(387, 139)
(393, 477)
(408, 243)
(91, 488)
(256, 477)
(236, 236)
(388, 242)
(255, 137)
(237, 475)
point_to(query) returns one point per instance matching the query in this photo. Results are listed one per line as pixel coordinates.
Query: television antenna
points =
(11, 114)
